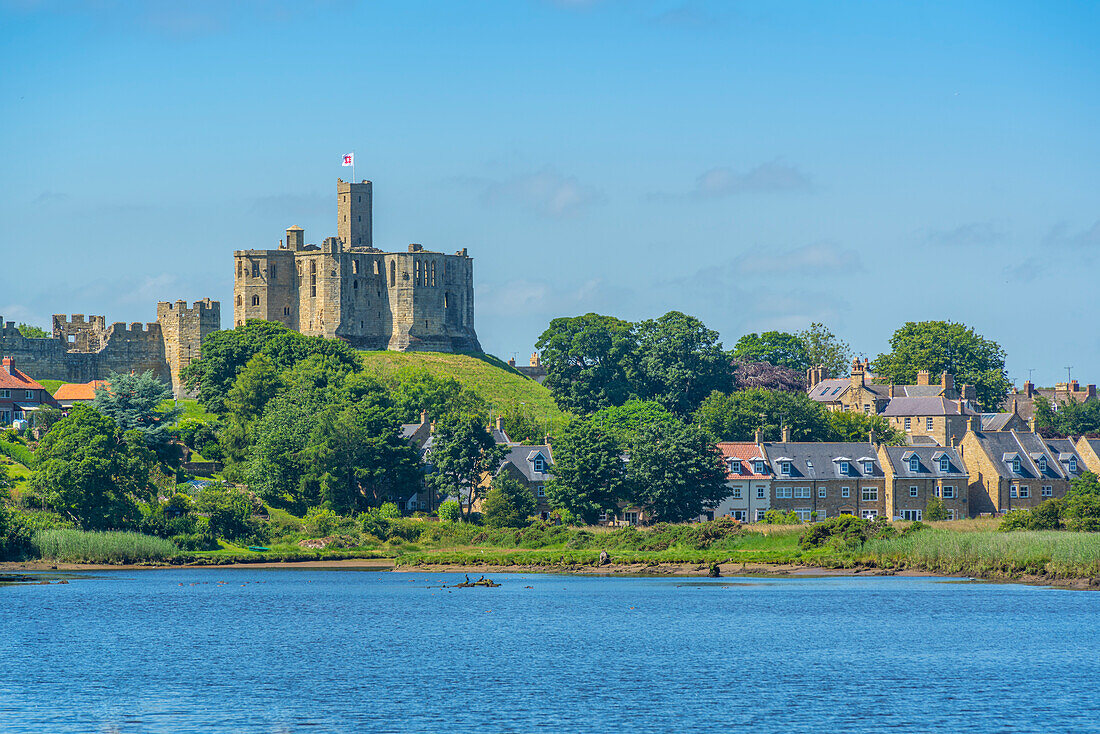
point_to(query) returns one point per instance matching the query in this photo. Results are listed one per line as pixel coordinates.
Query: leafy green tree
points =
(589, 473)
(775, 347)
(623, 422)
(679, 362)
(229, 509)
(675, 472)
(824, 348)
(934, 510)
(1068, 418)
(133, 402)
(736, 417)
(415, 390)
(585, 359)
(89, 471)
(449, 511)
(389, 511)
(1081, 509)
(508, 504)
(46, 417)
(33, 332)
(276, 468)
(849, 426)
(462, 451)
(256, 384)
(946, 346)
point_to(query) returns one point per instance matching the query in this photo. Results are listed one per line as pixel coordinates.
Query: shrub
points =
(508, 504)
(389, 511)
(1014, 520)
(778, 517)
(320, 521)
(935, 511)
(846, 529)
(449, 511)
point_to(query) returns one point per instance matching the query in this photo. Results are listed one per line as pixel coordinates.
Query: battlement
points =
(77, 322)
(205, 307)
(136, 328)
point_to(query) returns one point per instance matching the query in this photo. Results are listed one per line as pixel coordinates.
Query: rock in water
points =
(604, 558)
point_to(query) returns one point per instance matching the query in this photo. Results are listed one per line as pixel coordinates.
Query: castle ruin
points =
(348, 289)
(85, 349)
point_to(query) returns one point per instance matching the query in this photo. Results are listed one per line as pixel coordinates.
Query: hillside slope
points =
(494, 380)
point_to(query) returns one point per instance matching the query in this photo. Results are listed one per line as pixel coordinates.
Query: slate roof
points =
(1063, 449)
(821, 460)
(522, 456)
(995, 421)
(742, 454)
(830, 390)
(919, 391)
(926, 406)
(1002, 446)
(929, 458)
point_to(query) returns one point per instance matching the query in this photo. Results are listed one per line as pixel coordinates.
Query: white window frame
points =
(908, 424)
(5, 393)
(759, 468)
(914, 491)
(1016, 465)
(803, 514)
(945, 464)
(785, 468)
(783, 493)
(735, 492)
(1042, 463)
(28, 394)
(869, 494)
(1013, 491)
(914, 463)
(821, 493)
(845, 492)
(802, 493)
(928, 425)
(734, 466)
(741, 515)
(760, 514)
(541, 491)
(1073, 465)
(869, 514)
(845, 468)
(761, 493)
(912, 515)
(951, 513)
(1047, 491)
(1025, 492)
(949, 492)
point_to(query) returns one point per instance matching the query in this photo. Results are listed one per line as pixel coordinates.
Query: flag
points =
(349, 160)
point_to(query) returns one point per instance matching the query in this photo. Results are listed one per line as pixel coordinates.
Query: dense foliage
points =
(1067, 418)
(508, 504)
(737, 416)
(133, 402)
(1078, 511)
(775, 347)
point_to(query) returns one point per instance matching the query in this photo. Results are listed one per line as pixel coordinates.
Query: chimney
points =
(758, 437)
(546, 439)
(1029, 388)
(500, 423)
(9, 365)
(423, 417)
(1090, 392)
(858, 373)
(786, 434)
(975, 424)
(871, 437)
(947, 382)
(893, 391)
(1031, 424)
(432, 429)
(924, 377)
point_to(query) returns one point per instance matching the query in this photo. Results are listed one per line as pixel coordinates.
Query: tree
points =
(1081, 509)
(622, 423)
(675, 472)
(230, 510)
(46, 417)
(585, 359)
(946, 346)
(33, 332)
(774, 347)
(848, 426)
(589, 473)
(767, 376)
(449, 511)
(935, 511)
(679, 362)
(275, 467)
(462, 450)
(824, 348)
(1067, 418)
(736, 417)
(88, 470)
(415, 390)
(508, 504)
(133, 402)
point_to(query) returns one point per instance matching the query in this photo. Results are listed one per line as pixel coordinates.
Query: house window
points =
(821, 492)
(782, 493)
(735, 466)
(936, 491)
(1073, 465)
(928, 424)
(1016, 465)
(913, 515)
(740, 515)
(908, 424)
(951, 514)
(802, 493)
(5, 393)
(760, 467)
(760, 515)
(1013, 491)
(631, 518)
(914, 464)
(845, 492)
(868, 467)
(803, 515)
(1048, 491)
(1025, 492)
(845, 468)
(867, 409)
(1042, 463)
(540, 464)
(869, 514)
(945, 464)
(820, 514)
(870, 494)
(28, 394)
(542, 491)
(737, 493)
(913, 491)
(761, 493)
(948, 493)
(603, 516)
(785, 468)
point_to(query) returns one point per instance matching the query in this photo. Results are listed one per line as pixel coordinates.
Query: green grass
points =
(494, 380)
(191, 409)
(52, 385)
(80, 546)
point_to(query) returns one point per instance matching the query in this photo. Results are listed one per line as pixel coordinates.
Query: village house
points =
(20, 396)
(74, 393)
(929, 421)
(862, 393)
(917, 474)
(749, 481)
(1009, 421)
(823, 480)
(530, 465)
(1089, 451)
(1022, 401)
(1017, 470)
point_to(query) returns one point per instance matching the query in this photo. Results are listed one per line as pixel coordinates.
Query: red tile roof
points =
(79, 391)
(16, 380)
(744, 452)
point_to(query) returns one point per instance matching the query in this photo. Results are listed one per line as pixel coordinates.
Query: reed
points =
(82, 546)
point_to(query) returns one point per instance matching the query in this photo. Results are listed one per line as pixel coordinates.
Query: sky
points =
(760, 165)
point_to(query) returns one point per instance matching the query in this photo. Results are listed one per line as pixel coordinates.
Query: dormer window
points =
(845, 468)
(539, 464)
(785, 468)
(1042, 463)
(945, 464)
(1016, 465)
(914, 464)
(759, 467)
(868, 467)
(735, 466)
(1073, 465)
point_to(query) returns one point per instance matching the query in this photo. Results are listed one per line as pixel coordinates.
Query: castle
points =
(82, 350)
(348, 289)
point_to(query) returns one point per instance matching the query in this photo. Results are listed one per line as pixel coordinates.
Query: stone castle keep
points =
(82, 350)
(348, 289)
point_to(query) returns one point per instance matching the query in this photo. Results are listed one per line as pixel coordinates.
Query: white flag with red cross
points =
(349, 160)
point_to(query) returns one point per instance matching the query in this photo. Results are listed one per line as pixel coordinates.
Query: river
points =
(286, 650)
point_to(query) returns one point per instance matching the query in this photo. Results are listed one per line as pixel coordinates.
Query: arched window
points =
(355, 285)
(255, 300)
(433, 274)
(240, 301)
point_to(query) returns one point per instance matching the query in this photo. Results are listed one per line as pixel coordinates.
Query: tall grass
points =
(1040, 552)
(81, 546)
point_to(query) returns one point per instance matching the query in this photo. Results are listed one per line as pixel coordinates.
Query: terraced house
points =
(917, 474)
(930, 421)
(1089, 451)
(20, 396)
(823, 480)
(1013, 470)
(749, 481)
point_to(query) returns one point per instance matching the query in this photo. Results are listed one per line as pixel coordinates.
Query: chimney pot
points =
(786, 434)
(500, 423)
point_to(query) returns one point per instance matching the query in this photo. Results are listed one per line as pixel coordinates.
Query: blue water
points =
(279, 650)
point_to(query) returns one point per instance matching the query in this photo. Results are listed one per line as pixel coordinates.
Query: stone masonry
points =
(82, 350)
(348, 289)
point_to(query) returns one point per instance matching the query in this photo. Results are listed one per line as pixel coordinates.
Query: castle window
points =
(433, 274)
(376, 268)
(393, 273)
(255, 300)
(313, 291)
(286, 310)
(274, 271)
(355, 285)
(240, 301)
(355, 267)
(240, 268)
(255, 270)
(312, 266)
(446, 300)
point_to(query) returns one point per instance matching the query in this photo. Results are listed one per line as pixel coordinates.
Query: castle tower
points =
(183, 330)
(354, 205)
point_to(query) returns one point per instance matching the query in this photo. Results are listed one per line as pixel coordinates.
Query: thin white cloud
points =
(971, 233)
(547, 192)
(771, 177)
(1061, 235)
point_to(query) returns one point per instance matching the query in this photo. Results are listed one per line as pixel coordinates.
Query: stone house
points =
(931, 420)
(823, 480)
(1008, 421)
(1089, 451)
(917, 474)
(1022, 401)
(19, 394)
(73, 393)
(1013, 469)
(748, 478)
(530, 464)
(862, 393)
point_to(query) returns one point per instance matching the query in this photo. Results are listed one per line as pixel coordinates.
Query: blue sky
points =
(759, 165)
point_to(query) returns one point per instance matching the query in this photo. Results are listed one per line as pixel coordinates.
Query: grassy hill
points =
(499, 384)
